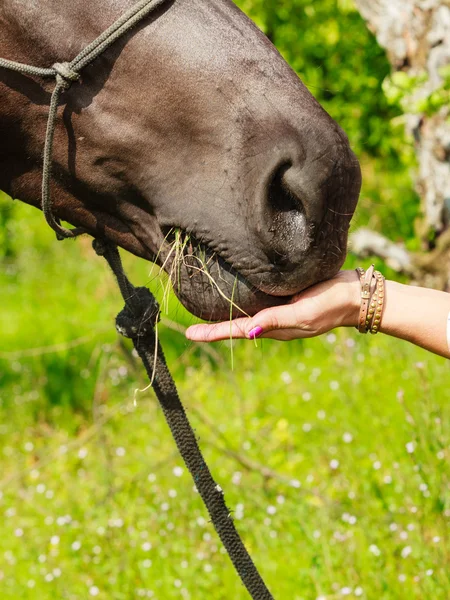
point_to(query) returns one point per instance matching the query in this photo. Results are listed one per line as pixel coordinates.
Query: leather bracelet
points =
(372, 299)
(366, 281)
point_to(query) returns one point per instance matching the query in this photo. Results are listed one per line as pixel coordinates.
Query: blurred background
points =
(332, 453)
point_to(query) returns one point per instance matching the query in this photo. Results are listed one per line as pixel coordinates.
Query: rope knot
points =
(65, 76)
(100, 246)
(140, 315)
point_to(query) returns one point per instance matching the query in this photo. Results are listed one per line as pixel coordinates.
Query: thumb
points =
(273, 319)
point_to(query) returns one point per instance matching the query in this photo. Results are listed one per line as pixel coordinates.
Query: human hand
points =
(316, 310)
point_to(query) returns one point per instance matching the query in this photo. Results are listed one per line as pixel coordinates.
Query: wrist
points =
(396, 311)
(349, 298)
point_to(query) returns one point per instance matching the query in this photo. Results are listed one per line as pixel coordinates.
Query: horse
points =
(189, 142)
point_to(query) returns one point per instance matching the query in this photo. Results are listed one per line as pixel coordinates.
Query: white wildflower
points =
(82, 453)
(406, 551)
(410, 447)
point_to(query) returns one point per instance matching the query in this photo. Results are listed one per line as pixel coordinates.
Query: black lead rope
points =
(140, 315)
(137, 321)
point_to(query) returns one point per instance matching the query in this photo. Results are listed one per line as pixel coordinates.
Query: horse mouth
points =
(206, 283)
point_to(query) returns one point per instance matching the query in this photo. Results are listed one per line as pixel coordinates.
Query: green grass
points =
(96, 503)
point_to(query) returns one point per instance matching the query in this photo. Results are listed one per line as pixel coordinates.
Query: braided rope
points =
(141, 311)
(137, 321)
(64, 75)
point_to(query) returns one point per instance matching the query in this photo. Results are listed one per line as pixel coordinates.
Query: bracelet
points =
(378, 303)
(366, 282)
(372, 300)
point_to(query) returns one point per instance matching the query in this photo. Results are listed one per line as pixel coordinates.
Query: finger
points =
(236, 329)
(263, 324)
(270, 320)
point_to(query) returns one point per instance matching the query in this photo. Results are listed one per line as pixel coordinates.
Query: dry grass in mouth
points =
(186, 253)
(191, 255)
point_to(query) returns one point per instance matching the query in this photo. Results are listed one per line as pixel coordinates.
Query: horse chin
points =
(214, 302)
(211, 289)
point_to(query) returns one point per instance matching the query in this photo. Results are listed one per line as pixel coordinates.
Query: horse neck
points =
(39, 33)
(42, 32)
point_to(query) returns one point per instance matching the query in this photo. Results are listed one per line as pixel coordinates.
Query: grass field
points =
(333, 453)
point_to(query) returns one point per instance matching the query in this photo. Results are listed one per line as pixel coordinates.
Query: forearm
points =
(418, 315)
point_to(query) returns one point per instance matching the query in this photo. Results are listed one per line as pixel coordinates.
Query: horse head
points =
(189, 142)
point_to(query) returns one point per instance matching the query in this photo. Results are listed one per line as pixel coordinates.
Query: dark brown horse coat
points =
(190, 129)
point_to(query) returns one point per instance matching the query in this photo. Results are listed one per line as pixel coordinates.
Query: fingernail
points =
(255, 333)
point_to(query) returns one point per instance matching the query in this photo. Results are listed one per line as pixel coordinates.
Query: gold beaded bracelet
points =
(379, 303)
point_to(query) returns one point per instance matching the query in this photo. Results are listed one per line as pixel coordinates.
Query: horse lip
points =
(169, 232)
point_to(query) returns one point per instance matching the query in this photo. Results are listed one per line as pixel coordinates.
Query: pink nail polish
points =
(255, 332)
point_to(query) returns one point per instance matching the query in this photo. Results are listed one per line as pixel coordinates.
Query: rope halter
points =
(65, 75)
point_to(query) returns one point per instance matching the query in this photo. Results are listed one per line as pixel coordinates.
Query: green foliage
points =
(93, 496)
(401, 88)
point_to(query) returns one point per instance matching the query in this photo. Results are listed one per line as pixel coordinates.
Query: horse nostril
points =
(281, 197)
(286, 235)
